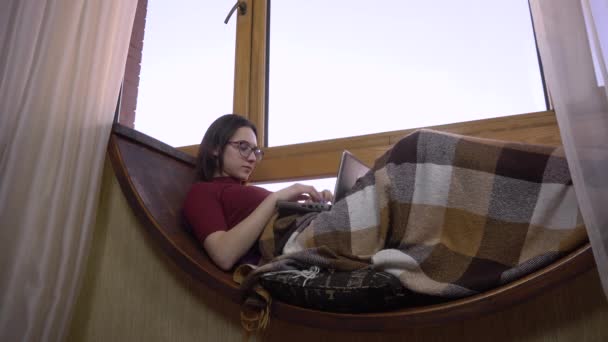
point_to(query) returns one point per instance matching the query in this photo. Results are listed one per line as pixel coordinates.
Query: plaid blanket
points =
(449, 215)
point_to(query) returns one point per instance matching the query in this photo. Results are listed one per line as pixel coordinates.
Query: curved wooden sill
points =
(155, 178)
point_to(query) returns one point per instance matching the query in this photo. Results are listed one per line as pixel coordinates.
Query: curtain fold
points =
(572, 38)
(61, 66)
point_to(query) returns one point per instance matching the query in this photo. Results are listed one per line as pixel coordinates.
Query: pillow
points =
(364, 290)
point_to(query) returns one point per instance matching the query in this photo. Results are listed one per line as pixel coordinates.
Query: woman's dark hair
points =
(216, 138)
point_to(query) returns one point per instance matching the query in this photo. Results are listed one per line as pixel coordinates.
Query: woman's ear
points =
(216, 152)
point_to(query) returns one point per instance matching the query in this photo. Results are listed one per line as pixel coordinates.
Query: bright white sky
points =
(187, 72)
(408, 63)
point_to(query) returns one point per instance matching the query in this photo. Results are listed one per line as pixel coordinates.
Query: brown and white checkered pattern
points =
(449, 215)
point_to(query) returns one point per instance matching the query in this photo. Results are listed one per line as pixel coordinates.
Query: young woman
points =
(227, 215)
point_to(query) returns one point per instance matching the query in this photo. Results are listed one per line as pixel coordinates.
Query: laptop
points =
(349, 171)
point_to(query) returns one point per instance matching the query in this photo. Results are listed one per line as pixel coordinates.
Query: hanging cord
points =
(242, 10)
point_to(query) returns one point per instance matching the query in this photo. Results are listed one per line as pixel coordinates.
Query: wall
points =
(132, 292)
(130, 85)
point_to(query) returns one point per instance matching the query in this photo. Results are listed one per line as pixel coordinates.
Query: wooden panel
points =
(155, 183)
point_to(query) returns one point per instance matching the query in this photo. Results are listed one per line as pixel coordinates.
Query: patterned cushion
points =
(364, 290)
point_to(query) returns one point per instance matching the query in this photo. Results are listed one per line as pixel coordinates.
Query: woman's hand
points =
(327, 196)
(299, 191)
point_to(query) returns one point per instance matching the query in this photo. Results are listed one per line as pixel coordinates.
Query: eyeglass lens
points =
(246, 149)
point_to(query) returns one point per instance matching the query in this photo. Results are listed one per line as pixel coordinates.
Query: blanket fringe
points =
(308, 274)
(255, 310)
(255, 315)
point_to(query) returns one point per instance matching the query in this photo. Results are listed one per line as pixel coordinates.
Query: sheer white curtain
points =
(573, 43)
(61, 64)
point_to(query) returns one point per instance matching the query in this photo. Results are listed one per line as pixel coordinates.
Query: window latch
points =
(242, 7)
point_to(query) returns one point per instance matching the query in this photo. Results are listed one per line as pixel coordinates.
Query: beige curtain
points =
(573, 42)
(61, 64)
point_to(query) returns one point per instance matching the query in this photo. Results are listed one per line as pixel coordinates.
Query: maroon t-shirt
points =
(220, 205)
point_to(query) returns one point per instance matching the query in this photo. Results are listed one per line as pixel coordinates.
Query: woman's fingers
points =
(303, 197)
(314, 194)
(327, 196)
(310, 193)
(300, 192)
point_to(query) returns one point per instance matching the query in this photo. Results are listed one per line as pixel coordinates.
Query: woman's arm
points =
(226, 247)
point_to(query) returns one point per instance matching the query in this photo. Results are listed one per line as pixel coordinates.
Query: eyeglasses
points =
(245, 149)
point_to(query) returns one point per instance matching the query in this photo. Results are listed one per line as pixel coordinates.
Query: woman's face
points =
(235, 164)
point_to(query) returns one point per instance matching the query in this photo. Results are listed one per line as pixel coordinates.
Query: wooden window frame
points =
(320, 158)
(250, 69)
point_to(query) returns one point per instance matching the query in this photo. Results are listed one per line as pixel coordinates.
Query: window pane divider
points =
(320, 159)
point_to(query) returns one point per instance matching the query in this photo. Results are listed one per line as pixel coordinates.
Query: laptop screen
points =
(350, 170)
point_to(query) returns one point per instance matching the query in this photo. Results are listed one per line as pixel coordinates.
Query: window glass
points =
(344, 68)
(187, 69)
